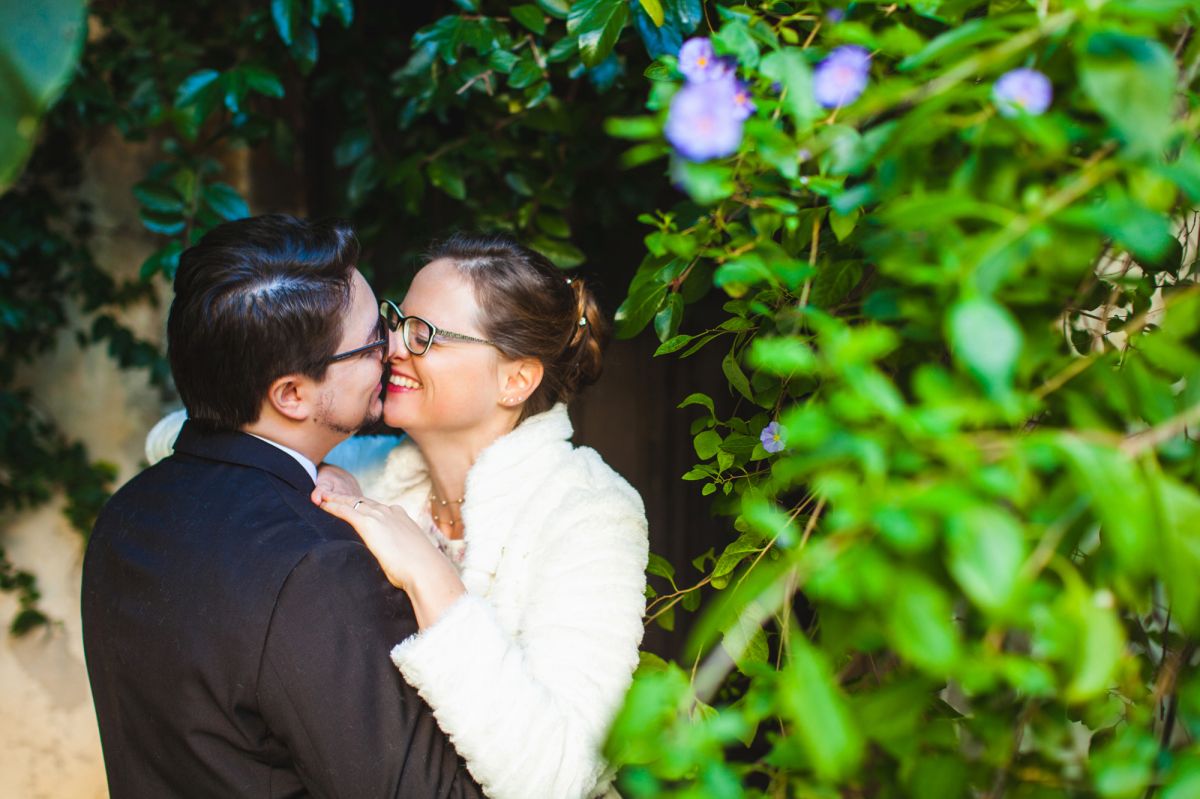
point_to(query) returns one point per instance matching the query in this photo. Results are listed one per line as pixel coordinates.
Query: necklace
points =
(435, 503)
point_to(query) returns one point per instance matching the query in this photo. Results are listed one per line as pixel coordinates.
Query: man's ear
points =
(291, 396)
(520, 379)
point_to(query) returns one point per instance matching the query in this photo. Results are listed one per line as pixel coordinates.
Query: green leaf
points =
(987, 341)
(746, 643)
(699, 399)
(1131, 81)
(1119, 494)
(157, 197)
(225, 201)
(562, 254)
(789, 68)
(164, 261)
(782, 356)
(632, 127)
(638, 309)
(673, 344)
(284, 13)
(834, 281)
(736, 377)
(736, 40)
(162, 223)
(811, 699)
(666, 321)
(654, 10)
(447, 176)
(559, 9)
(660, 566)
(262, 81)
(597, 24)
(40, 45)
(194, 86)
(985, 552)
(921, 625)
(1146, 234)
(1124, 768)
(706, 444)
(843, 224)
(1180, 562)
(706, 183)
(530, 16)
(525, 73)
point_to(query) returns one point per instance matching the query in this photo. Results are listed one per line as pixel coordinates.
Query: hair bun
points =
(585, 347)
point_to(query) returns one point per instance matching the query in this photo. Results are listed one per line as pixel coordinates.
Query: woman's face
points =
(456, 386)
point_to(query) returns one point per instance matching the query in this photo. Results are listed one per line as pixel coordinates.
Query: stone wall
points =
(49, 745)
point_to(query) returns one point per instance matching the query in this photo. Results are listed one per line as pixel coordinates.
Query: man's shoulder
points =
(223, 499)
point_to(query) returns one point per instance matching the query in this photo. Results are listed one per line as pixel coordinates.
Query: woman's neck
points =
(449, 458)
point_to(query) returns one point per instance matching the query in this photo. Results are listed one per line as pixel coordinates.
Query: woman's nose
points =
(396, 348)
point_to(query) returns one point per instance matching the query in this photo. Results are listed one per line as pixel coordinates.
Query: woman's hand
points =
(336, 480)
(408, 558)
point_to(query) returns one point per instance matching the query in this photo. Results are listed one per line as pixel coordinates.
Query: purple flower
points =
(772, 437)
(842, 76)
(699, 64)
(1022, 91)
(743, 104)
(835, 15)
(705, 120)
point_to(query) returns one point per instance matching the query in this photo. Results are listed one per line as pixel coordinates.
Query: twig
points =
(1154, 437)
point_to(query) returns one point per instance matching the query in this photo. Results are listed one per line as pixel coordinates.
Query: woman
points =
(524, 557)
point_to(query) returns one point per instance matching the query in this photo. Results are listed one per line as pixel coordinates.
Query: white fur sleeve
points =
(529, 713)
(160, 441)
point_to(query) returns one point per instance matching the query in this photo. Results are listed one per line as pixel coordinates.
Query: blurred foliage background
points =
(955, 311)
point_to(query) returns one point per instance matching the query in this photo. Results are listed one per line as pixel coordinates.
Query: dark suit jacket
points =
(237, 640)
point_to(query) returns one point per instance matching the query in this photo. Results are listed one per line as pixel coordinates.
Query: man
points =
(237, 636)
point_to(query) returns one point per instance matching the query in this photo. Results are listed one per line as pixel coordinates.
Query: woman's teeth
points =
(403, 382)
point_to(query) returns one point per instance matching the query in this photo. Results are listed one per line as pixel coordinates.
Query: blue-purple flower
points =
(743, 103)
(772, 437)
(700, 64)
(1021, 91)
(842, 76)
(705, 120)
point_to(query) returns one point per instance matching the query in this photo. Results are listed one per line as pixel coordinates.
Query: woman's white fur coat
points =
(526, 671)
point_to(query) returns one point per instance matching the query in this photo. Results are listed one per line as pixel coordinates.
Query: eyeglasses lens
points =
(417, 335)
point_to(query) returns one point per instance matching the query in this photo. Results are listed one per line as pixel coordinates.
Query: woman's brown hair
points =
(531, 309)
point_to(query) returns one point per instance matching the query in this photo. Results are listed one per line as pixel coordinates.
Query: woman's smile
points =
(399, 383)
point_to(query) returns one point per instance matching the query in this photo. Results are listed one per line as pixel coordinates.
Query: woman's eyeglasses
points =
(417, 334)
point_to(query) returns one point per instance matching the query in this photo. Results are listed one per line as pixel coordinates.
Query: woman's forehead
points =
(442, 294)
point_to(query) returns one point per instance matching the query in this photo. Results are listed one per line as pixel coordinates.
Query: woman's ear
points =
(519, 379)
(291, 396)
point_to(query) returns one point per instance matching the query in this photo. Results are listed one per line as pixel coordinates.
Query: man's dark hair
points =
(256, 299)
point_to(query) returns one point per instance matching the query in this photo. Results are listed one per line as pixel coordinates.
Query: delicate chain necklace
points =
(436, 503)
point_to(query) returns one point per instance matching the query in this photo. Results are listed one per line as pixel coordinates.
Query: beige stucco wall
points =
(49, 746)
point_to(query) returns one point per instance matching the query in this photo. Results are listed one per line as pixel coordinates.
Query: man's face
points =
(350, 393)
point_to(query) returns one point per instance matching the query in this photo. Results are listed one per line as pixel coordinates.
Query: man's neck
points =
(310, 440)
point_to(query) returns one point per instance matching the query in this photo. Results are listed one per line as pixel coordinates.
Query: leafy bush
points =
(961, 342)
